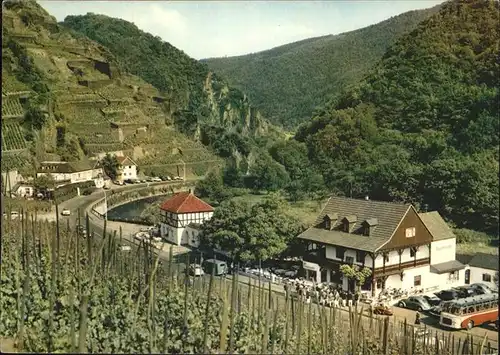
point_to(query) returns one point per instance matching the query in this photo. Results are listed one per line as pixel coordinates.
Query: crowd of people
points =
(323, 294)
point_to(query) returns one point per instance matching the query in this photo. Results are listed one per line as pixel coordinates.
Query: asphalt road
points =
(84, 203)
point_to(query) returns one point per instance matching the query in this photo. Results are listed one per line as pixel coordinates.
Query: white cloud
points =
(157, 19)
(213, 29)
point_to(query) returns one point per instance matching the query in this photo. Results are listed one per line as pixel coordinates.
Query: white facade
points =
(127, 169)
(75, 177)
(392, 258)
(421, 277)
(128, 172)
(24, 190)
(179, 229)
(481, 275)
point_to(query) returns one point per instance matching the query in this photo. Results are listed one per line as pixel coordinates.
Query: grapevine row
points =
(13, 137)
(12, 108)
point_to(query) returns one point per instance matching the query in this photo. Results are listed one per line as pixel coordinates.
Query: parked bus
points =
(469, 312)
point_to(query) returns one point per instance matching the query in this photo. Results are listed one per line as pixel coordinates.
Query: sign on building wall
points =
(310, 266)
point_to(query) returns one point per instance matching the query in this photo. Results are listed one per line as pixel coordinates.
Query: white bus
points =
(469, 312)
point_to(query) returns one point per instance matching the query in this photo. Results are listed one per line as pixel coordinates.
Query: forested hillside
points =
(286, 83)
(66, 98)
(423, 126)
(201, 103)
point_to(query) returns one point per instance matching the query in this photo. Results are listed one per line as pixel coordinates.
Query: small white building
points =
(182, 216)
(65, 173)
(10, 179)
(403, 249)
(23, 189)
(482, 268)
(127, 169)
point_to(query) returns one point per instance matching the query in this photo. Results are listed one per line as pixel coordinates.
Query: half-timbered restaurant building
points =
(403, 248)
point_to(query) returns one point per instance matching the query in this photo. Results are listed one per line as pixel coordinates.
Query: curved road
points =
(83, 203)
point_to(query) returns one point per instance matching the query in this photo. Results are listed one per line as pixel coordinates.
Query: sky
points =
(205, 29)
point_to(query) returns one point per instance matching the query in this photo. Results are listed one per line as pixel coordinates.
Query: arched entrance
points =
(467, 276)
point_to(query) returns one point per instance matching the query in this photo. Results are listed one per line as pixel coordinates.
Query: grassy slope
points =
(289, 81)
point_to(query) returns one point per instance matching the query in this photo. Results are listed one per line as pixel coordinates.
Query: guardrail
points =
(157, 189)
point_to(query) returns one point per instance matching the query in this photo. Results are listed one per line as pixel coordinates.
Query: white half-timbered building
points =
(182, 216)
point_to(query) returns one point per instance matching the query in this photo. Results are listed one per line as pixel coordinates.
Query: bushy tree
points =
(356, 273)
(110, 165)
(212, 187)
(251, 233)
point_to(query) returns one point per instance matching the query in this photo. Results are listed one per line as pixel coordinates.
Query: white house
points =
(71, 172)
(482, 268)
(127, 169)
(10, 179)
(402, 248)
(182, 215)
(23, 189)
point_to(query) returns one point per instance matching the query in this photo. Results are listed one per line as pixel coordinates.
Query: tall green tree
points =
(251, 233)
(110, 165)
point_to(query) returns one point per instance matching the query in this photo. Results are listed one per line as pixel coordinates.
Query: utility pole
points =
(184, 168)
(105, 206)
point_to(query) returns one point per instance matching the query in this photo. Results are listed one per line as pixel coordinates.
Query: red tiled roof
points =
(185, 202)
(123, 159)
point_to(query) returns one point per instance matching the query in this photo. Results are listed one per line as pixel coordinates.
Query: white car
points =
(66, 212)
(196, 270)
(155, 179)
(125, 248)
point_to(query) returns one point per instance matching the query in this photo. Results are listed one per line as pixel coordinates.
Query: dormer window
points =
(329, 220)
(348, 222)
(369, 225)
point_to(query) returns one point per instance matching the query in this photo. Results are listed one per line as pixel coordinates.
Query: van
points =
(218, 267)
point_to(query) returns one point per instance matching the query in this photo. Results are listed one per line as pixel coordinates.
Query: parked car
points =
(448, 295)
(155, 179)
(81, 230)
(432, 299)
(383, 309)
(464, 291)
(482, 289)
(142, 236)
(196, 270)
(125, 248)
(417, 303)
(66, 212)
(178, 178)
(118, 182)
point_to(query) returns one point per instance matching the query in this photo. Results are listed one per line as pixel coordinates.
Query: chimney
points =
(367, 197)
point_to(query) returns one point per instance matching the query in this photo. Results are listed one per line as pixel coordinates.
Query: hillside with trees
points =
(423, 126)
(288, 82)
(201, 103)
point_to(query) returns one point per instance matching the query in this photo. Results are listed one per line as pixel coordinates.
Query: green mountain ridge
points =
(288, 82)
(423, 126)
(202, 104)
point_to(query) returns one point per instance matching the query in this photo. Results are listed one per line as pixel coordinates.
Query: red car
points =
(383, 309)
